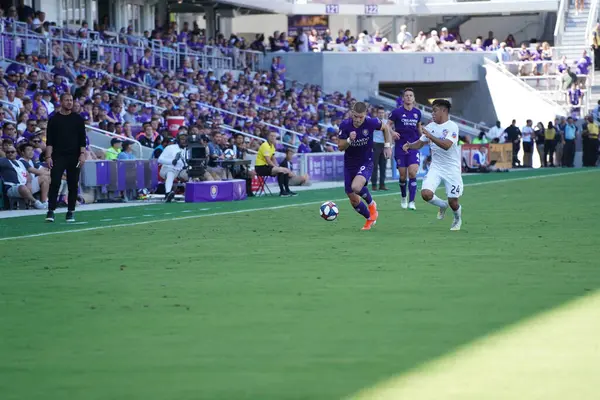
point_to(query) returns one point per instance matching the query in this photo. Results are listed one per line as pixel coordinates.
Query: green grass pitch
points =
(256, 301)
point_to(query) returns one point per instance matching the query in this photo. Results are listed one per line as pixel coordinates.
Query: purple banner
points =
(325, 167)
(200, 192)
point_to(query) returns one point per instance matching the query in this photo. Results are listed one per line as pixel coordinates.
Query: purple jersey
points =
(405, 123)
(360, 151)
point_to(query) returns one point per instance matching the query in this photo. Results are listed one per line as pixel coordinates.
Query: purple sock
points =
(363, 210)
(366, 195)
(403, 188)
(412, 189)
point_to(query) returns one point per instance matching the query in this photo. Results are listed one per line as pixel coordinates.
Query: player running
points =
(407, 124)
(442, 135)
(356, 139)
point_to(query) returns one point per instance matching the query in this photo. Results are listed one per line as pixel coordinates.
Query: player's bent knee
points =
(426, 194)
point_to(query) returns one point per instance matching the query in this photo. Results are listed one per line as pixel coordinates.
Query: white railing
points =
(138, 148)
(475, 127)
(592, 19)
(560, 21)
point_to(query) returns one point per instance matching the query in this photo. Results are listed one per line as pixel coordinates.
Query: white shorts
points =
(35, 184)
(452, 181)
(13, 191)
(179, 174)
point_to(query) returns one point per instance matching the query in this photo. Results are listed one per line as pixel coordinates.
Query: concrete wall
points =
(523, 28)
(362, 73)
(470, 100)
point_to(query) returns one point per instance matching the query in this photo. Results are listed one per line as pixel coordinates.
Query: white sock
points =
(169, 181)
(436, 201)
(458, 213)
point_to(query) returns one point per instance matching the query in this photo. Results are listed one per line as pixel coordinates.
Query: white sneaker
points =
(456, 224)
(442, 213)
(45, 204)
(411, 206)
(38, 205)
(403, 202)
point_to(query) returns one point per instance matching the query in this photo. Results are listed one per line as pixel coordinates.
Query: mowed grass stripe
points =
(555, 355)
(268, 208)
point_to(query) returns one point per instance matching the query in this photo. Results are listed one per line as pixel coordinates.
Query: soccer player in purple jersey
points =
(356, 139)
(406, 121)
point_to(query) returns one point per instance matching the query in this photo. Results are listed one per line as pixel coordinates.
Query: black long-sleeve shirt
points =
(66, 134)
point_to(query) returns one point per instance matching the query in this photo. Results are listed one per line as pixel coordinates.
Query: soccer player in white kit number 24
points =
(442, 135)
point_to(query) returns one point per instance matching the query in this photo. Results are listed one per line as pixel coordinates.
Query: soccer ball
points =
(329, 211)
(229, 154)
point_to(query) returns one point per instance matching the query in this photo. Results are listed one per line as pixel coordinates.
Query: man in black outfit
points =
(513, 134)
(65, 150)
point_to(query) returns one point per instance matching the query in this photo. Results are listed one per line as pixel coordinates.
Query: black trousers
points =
(516, 148)
(379, 164)
(590, 151)
(549, 149)
(64, 163)
(568, 153)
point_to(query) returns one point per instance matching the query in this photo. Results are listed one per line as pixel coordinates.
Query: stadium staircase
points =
(571, 33)
(467, 128)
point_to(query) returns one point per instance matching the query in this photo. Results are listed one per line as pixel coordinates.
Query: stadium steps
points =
(573, 38)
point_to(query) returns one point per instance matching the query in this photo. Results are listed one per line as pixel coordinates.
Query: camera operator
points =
(173, 162)
(215, 155)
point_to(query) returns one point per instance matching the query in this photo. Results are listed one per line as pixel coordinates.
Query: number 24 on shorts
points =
(455, 189)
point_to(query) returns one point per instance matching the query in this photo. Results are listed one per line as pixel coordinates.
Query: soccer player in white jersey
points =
(442, 135)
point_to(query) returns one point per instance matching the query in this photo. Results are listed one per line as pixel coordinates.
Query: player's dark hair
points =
(408, 89)
(359, 107)
(442, 103)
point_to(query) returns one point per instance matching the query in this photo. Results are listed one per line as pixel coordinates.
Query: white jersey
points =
(170, 153)
(444, 160)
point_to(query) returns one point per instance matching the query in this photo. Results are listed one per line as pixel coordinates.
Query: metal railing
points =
(592, 19)
(138, 148)
(249, 135)
(136, 101)
(460, 121)
(561, 16)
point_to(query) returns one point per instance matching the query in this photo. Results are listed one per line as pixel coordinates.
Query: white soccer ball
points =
(329, 211)
(229, 154)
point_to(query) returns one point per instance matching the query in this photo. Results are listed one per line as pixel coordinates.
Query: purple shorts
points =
(404, 159)
(351, 172)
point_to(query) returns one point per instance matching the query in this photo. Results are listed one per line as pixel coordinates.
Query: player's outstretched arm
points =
(414, 145)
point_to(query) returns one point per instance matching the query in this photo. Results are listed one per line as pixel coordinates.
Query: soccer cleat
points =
(284, 194)
(50, 216)
(403, 202)
(373, 211)
(456, 224)
(442, 212)
(69, 217)
(412, 206)
(369, 224)
(170, 196)
(292, 193)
